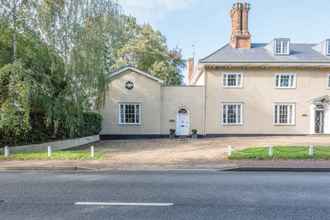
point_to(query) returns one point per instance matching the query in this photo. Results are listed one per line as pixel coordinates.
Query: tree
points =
(16, 13)
(148, 51)
(56, 57)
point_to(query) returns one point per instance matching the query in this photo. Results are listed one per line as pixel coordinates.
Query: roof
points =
(133, 69)
(299, 53)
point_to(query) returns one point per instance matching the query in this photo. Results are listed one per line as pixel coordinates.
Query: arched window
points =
(183, 111)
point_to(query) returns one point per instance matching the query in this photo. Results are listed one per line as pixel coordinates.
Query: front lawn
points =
(56, 155)
(281, 153)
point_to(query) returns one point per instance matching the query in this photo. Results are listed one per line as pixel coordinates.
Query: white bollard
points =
(92, 152)
(230, 151)
(270, 151)
(311, 151)
(49, 150)
(7, 151)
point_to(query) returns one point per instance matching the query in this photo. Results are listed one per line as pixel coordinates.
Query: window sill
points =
(232, 125)
(284, 125)
(285, 87)
(129, 124)
(233, 87)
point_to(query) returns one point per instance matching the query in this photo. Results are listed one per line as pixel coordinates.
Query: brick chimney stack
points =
(190, 69)
(240, 36)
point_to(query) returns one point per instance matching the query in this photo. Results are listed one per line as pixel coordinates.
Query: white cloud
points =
(146, 10)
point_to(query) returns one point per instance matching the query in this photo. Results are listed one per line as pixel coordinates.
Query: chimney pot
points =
(240, 36)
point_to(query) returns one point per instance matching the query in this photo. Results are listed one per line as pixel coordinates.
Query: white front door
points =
(182, 123)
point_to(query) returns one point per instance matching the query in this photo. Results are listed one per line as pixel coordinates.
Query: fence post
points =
(230, 151)
(49, 150)
(92, 151)
(7, 151)
(270, 151)
(311, 151)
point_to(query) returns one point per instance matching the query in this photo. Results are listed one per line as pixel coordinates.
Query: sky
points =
(203, 26)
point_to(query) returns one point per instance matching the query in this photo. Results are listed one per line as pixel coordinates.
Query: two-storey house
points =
(244, 88)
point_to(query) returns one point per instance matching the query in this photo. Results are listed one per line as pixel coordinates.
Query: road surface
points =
(165, 195)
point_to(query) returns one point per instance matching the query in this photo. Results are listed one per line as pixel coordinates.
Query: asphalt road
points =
(165, 195)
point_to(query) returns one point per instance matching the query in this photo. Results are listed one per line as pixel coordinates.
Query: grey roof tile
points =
(259, 53)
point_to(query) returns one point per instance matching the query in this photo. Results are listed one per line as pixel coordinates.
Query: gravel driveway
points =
(187, 152)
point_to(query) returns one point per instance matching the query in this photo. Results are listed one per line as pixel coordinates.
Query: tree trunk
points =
(14, 31)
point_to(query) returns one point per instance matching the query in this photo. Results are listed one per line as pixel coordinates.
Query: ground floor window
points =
(284, 114)
(129, 114)
(232, 114)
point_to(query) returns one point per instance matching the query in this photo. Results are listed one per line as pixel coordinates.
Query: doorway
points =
(182, 123)
(319, 121)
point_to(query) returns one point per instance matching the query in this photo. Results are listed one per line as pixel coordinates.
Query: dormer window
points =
(327, 50)
(282, 47)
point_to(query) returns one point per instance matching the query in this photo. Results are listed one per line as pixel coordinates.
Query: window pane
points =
(232, 114)
(129, 114)
(284, 114)
(137, 117)
(232, 80)
(276, 114)
(225, 120)
(285, 81)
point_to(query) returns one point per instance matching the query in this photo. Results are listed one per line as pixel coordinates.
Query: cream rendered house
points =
(244, 88)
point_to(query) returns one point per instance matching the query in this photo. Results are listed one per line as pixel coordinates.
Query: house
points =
(244, 88)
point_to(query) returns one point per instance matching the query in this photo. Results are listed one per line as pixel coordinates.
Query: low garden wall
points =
(58, 145)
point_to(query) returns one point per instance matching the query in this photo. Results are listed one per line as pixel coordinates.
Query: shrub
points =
(40, 132)
(92, 124)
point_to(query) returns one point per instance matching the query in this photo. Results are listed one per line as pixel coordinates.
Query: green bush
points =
(92, 124)
(40, 132)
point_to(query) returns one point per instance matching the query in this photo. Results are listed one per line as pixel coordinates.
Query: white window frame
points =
(291, 119)
(292, 80)
(121, 121)
(327, 47)
(238, 84)
(283, 45)
(224, 120)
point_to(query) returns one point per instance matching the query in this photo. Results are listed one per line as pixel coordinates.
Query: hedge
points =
(40, 132)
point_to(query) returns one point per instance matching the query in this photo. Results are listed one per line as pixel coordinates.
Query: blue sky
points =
(206, 23)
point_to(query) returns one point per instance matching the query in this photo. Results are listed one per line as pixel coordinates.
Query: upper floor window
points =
(328, 47)
(282, 46)
(232, 114)
(232, 80)
(285, 80)
(129, 114)
(284, 114)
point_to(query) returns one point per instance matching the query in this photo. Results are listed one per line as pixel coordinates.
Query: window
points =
(282, 47)
(328, 48)
(284, 114)
(285, 81)
(232, 80)
(130, 114)
(232, 114)
(328, 81)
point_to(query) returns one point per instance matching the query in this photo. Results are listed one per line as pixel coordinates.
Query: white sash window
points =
(285, 80)
(129, 114)
(284, 114)
(232, 80)
(232, 114)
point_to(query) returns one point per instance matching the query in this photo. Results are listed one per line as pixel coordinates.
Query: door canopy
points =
(324, 100)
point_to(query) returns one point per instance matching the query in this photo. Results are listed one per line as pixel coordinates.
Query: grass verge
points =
(281, 153)
(56, 155)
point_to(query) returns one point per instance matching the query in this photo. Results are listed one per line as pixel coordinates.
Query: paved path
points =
(165, 195)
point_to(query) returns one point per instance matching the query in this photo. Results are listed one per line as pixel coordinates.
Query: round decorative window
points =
(129, 85)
